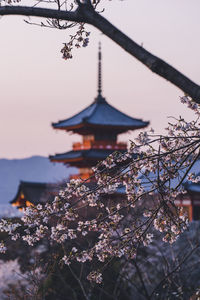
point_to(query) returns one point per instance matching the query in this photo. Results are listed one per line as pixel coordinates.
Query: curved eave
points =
(22, 188)
(86, 125)
(85, 153)
(16, 197)
(81, 162)
(65, 161)
(19, 190)
(82, 158)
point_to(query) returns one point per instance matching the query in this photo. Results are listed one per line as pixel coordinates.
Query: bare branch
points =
(174, 270)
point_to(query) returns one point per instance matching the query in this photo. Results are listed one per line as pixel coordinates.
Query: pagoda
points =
(99, 124)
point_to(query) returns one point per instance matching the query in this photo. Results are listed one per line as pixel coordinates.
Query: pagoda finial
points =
(99, 71)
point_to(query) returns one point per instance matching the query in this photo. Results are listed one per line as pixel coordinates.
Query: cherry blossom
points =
(92, 225)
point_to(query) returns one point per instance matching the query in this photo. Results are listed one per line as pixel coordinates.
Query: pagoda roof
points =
(82, 157)
(100, 114)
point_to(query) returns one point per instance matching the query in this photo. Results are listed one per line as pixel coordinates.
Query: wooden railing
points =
(86, 145)
(85, 176)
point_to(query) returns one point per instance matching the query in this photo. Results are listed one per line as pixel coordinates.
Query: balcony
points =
(86, 145)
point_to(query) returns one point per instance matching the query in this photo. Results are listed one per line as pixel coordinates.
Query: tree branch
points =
(73, 16)
(174, 270)
(86, 13)
(155, 64)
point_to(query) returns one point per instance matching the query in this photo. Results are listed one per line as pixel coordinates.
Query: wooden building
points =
(190, 201)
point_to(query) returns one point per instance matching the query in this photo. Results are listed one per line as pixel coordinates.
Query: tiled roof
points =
(36, 192)
(90, 154)
(101, 113)
(192, 187)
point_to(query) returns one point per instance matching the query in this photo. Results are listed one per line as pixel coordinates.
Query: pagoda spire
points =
(99, 71)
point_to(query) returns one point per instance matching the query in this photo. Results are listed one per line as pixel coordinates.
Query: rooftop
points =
(82, 157)
(100, 115)
(35, 192)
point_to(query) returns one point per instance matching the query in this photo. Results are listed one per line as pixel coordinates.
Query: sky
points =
(38, 87)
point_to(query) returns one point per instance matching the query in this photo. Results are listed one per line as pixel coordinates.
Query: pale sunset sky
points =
(37, 87)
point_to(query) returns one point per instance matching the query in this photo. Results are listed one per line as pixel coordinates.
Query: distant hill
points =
(35, 168)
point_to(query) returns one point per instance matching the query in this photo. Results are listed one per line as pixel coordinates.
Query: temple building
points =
(99, 124)
(32, 193)
(190, 201)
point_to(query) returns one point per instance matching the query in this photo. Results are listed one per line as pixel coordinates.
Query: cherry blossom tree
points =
(69, 13)
(85, 222)
(92, 227)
